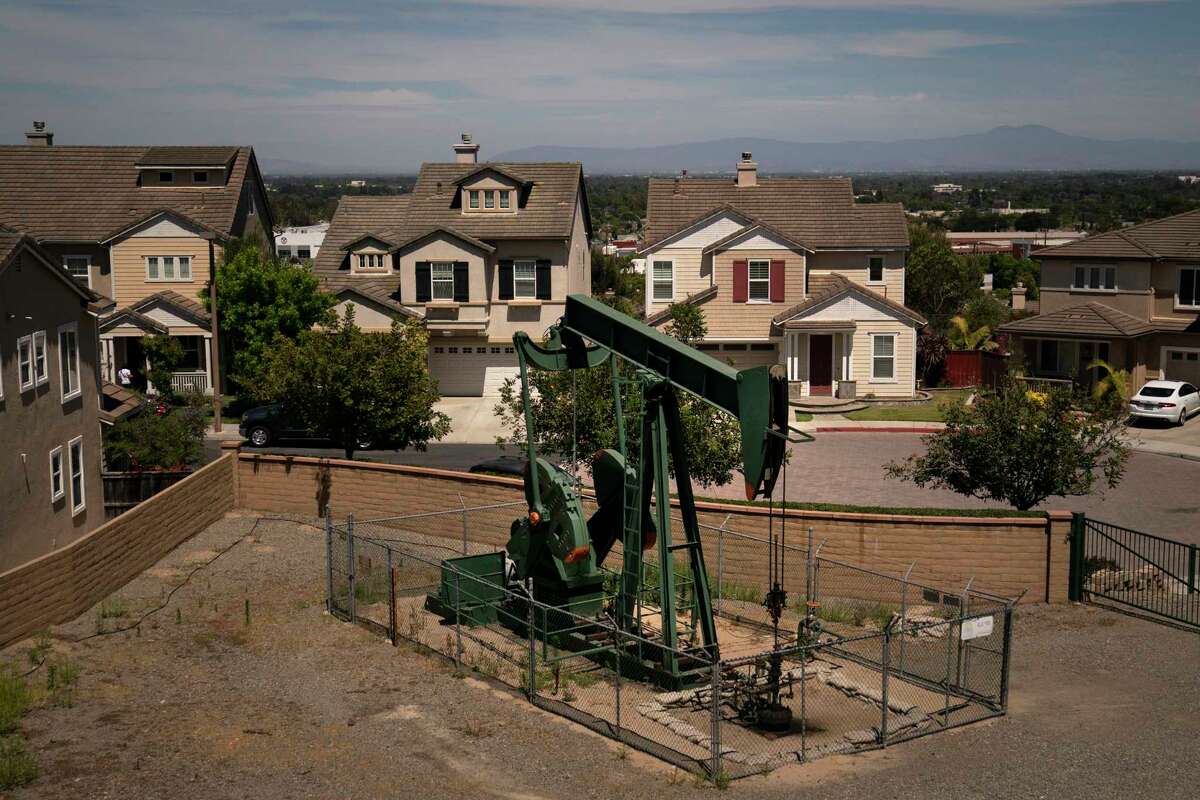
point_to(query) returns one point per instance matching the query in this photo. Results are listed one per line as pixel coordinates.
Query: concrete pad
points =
(472, 420)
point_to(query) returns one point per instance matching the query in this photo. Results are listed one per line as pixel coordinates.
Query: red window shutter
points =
(777, 271)
(741, 281)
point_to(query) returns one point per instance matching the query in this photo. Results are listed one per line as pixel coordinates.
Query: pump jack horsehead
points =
(561, 552)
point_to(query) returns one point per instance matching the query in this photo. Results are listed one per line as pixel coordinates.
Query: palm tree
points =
(963, 338)
(1114, 381)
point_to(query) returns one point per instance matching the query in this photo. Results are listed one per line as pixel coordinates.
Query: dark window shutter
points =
(506, 279)
(778, 268)
(424, 282)
(462, 283)
(741, 281)
(543, 279)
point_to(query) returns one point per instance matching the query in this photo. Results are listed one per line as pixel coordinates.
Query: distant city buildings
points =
(1189, 179)
(621, 246)
(357, 184)
(947, 188)
(302, 242)
(1017, 243)
(1008, 211)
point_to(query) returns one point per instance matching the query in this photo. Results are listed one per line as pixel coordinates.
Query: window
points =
(508, 351)
(303, 252)
(1189, 288)
(57, 488)
(474, 195)
(495, 351)
(524, 279)
(68, 360)
(452, 350)
(25, 362)
(193, 353)
(505, 198)
(442, 274)
(75, 450)
(467, 351)
(664, 281)
(1096, 279)
(284, 252)
(760, 280)
(883, 357)
(438, 350)
(199, 177)
(370, 262)
(489, 199)
(875, 269)
(168, 268)
(166, 177)
(79, 268)
(41, 372)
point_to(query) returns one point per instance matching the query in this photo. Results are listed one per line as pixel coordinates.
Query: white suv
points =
(1173, 401)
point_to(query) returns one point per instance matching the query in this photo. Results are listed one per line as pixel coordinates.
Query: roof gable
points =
(164, 222)
(713, 225)
(758, 236)
(493, 169)
(13, 244)
(842, 299)
(172, 308)
(1087, 319)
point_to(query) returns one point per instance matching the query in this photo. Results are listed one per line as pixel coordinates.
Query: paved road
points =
(442, 456)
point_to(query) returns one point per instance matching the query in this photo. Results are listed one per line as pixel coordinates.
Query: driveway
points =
(471, 420)
(1157, 436)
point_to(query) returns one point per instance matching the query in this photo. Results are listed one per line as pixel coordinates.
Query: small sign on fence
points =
(977, 628)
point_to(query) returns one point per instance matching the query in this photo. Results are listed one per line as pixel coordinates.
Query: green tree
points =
(574, 413)
(963, 337)
(173, 440)
(164, 354)
(1020, 446)
(937, 282)
(260, 297)
(613, 275)
(357, 388)
(1112, 391)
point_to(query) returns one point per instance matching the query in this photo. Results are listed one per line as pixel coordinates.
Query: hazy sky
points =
(388, 83)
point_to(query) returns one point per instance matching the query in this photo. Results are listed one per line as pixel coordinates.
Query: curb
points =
(858, 429)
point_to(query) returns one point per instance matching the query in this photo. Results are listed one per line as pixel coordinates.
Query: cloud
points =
(993, 7)
(920, 44)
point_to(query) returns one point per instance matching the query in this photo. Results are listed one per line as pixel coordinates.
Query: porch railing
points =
(186, 382)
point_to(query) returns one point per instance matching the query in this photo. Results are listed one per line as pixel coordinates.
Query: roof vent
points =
(39, 136)
(466, 151)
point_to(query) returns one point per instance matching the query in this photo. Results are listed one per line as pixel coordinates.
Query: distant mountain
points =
(1007, 148)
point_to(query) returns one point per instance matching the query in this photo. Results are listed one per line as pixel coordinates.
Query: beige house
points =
(787, 271)
(142, 226)
(477, 251)
(50, 447)
(1130, 297)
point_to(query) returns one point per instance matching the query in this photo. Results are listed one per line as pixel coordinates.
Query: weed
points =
(416, 624)
(113, 607)
(41, 647)
(61, 679)
(14, 700)
(569, 696)
(622, 753)
(583, 679)
(474, 729)
(17, 765)
(857, 614)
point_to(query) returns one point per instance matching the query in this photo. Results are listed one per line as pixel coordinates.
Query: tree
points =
(171, 440)
(1020, 446)
(164, 354)
(938, 283)
(260, 297)
(1112, 391)
(613, 276)
(574, 414)
(357, 388)
(962, 337)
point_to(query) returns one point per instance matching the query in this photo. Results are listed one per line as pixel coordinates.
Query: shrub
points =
(14, 700)
(17, 765)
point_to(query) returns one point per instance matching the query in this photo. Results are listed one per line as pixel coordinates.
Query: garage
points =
(472, 369)
(1182, 364)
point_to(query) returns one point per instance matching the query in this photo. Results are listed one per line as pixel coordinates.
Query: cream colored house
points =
(787, 271)
(142, 226)
(477, 251)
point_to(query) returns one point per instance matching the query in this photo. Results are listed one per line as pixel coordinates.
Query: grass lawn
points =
(803, 416)
(925, 412)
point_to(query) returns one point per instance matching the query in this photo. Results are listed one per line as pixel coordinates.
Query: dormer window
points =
(474, 198)
(371, 262)
(505, 198)
(489, 199)
(166, 177)
(199, 177)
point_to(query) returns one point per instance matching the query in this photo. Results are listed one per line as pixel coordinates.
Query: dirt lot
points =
(299, 705)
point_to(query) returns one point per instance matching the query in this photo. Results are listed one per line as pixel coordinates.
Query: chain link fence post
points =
(350, 567)
(887, 646)
(804, 704)
(391, 598)
(532, 642)
(329, 560)
(457, 622)
(721, 562)
(1006, 655)
(464, 522)
(904, 610)
(715, 734)
(617, 684)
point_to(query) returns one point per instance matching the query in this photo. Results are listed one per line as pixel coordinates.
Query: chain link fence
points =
(860, 659)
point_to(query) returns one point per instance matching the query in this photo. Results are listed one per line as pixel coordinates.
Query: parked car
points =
(503, 465)
(1173, 401)
(264, 425)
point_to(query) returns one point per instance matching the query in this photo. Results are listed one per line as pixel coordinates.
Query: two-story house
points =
(787, 271)
(477, 251)
(1130, 297)
(50, 449)
(143, 226)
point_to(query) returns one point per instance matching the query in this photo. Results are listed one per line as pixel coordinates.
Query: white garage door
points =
(1183, 365)
(471, 369)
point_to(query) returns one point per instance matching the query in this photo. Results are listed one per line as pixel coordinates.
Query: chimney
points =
(465, 152)
(747, 171)
(1018, 297)
(39, 136)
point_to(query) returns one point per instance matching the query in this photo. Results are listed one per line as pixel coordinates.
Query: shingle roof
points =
(820, 212)
(832, 285)
(355, 216)
(181, 303)
(139, 319)
(755, 227)
(187, 156)
(117, 402)
(384, 291)
(1087, 319)
(1170, 237)
(12, 242)
(84, 193)
(457, 234)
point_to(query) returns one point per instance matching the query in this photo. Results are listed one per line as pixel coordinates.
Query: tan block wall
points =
(67, 582)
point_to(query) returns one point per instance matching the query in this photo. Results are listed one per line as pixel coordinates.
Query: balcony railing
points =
(187, 382)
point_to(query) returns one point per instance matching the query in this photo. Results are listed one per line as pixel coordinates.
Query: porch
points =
(819, 361)
(124, 351)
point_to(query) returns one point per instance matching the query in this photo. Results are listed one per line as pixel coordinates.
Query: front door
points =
(820, 364)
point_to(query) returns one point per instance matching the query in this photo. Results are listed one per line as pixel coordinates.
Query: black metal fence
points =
(1139, 570)
(889, 660)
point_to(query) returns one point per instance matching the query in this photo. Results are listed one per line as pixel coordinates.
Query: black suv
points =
(266, 424)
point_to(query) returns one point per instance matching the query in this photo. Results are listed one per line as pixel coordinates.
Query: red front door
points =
(820, 364)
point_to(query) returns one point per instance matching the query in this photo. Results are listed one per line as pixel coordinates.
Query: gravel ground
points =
(299, 705)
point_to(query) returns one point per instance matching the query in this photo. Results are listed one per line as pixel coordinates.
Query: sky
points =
(387, 84)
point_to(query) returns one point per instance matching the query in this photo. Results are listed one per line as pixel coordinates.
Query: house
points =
(1018, 244)
(142, 226)
(49, 403)
(477, 251)
(1130, 297)
(301, 242)
(946, 188)
(787, 271)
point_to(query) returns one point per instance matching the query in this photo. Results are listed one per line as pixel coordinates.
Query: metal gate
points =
(1150, 573)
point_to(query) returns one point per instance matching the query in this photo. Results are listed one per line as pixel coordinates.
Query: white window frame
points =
(41, 359)
(654, 281)
(895, 358)
(366, 262)
(1088, 269)
(25, 362)
(56, 472)
(160, 265)
(529, 264)
(75, 465)
(505, 203)
(751, 280)
(882, 267)
(489, 199)
(85, 256)
(69, 392)
(446, 267)
(473, 199)
(1195, 304)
